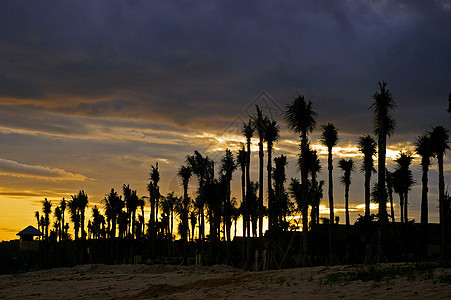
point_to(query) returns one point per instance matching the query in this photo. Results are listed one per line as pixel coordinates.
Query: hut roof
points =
(30, 230)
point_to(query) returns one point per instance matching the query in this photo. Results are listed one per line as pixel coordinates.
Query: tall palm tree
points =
(128, 205)
(46, 209)
(154, 196)
(312, 163)
(248, 131)
(329, 138)
(185, 174)
(440, 141)
(347, 166)
(141, 205)
(271, 136)
(242, 162)
(259, 122)
(423, 147)
(227, 168)
(384, 125)
(301, 118)
(367, 146)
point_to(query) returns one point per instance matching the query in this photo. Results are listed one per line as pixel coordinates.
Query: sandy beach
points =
(199, 282)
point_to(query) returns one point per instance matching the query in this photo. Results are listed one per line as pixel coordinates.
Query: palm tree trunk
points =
(260, 190)
(392, 210)
(248, 184)
(367, 192)
(243, 201)
(406, 220)
(381, 177)
(347, 205)
(401, 205)
(270, 193)
(331, 203)
(441, 190)
(424, 196)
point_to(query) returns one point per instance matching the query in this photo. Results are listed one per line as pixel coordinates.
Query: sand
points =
(218, 282)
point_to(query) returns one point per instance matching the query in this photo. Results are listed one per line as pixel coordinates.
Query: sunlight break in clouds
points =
(13, 168)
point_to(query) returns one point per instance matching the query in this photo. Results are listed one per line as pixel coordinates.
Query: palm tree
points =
(260, 126)
(154, 196)
(36, 214)
(242, 162)
(193, 221)
(302, 119)
(440, 141)
(367, 146)
(82, 202)
(58, 216)
(281, 203)
(128, 205)
(390, 180)
(227, 168)
(271, 135)
(185, 174)
(248, 131)
(46, 209)
(113, 206)
(384, 125)
(347, 166)
(74, 214)
(313, 166)
(423, 147)
(63, 210)
(329, 138)
(403, 177)
(141, 205)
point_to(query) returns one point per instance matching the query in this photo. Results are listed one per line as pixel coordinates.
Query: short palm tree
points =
(403, 181)
(384, 125)
(389, 178)
(63, 205)
(46, 209)
(423, 147)
(367, 146)
(440, 141)
(36, 214)
(347, 166)
(329, 138)
(227, 168)
(82, 204)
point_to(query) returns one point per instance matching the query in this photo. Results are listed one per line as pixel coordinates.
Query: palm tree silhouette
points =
(403, 181)
(82, 202)
(241, 160)
(74, 215)
(272, 135)
(302, 119)
(36, 214)
(248, 131)
(329, 138)
(259, 123)
(154, 196)
(185, 174)
(367, 146)
(58, 216)
(113, 206)
(389, 178)
(227, 168)
(46, 209)
(347, 166)
(281, 202)
(384, 125)
(440, 141)
(63, 210)
(423, 147)
(313, 166)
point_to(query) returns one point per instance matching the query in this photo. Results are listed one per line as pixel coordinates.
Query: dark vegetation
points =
(120, 231)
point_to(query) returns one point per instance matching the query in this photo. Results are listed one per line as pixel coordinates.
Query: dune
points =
(200, 282)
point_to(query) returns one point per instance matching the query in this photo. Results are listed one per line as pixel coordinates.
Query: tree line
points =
(124, 218)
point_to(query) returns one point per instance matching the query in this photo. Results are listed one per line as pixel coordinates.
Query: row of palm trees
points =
(213, 196)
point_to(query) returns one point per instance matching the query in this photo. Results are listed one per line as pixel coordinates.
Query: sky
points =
(92, 93)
